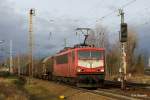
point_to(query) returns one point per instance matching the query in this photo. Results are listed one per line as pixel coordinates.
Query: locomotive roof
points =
(68, 49)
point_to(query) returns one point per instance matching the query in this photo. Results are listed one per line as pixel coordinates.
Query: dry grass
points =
(39, 93)
(140, 79)
(44, 90)
(12, 88)
(10, 91)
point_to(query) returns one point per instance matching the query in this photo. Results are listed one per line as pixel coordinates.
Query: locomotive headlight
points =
(78, 70)
(102, 70)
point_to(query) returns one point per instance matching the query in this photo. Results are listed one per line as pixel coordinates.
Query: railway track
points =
(137, 90)
(126, 94)
(116, 84)
(134, 91)
(107, 93)
(113, 95)
(113, 92)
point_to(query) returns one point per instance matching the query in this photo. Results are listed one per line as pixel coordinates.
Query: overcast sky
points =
(62, 17)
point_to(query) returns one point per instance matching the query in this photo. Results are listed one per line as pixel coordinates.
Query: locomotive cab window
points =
(90, 55)
(97, 54)
(63, 59)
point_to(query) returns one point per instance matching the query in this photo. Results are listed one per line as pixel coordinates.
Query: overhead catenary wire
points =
(114, 11)
(123, 6)
(110, 13)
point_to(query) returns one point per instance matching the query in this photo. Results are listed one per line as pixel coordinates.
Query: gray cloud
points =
(11, 27)
(61, 20)
(15, 27)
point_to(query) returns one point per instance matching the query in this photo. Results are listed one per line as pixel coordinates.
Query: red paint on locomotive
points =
(68, 63)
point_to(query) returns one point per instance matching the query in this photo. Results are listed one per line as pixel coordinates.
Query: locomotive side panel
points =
(60, 65)
(71, 64)
(64, 65)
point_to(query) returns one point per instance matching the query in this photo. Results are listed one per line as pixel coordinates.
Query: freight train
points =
(83, 66)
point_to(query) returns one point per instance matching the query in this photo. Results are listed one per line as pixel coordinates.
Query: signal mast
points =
(31, 14)
(123, 40)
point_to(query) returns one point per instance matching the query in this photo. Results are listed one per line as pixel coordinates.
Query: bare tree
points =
(135, 60)
(139, 66)
(131, 47)
(99, 37)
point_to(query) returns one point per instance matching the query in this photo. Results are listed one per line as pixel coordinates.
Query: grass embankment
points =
(45, 90)
(11, 87)
(15, 88)
(140, 79)
(39, 92)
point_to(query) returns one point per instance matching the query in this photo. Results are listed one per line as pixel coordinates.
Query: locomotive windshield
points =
(90, 55)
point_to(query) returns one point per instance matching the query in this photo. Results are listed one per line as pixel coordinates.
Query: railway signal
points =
(123, 40)
(124, 30)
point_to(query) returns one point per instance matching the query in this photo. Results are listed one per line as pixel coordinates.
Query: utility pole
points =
(123, 40)
(10, 58)
(65, 42)
(149, 62)
(31, 14)
(18, 61)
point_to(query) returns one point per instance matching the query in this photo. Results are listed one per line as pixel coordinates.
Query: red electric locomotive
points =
(82, 65)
